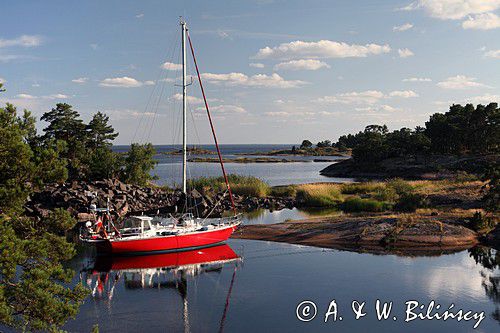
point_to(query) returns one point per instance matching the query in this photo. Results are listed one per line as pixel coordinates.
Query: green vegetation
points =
(35, 289)
(356, 204)
(241, 185)
(319, 195)
(34, 294)
(395, 194)
(138, 164)
(460, 131)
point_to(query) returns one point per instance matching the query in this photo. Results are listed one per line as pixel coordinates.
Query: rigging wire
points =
(211, 125)
(160, 72)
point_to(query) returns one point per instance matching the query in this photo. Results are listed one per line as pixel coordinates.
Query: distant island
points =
(192, 151)
(252, 160)
(323, 148)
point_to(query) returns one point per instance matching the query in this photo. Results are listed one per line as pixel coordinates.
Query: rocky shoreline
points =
(440, 229)
(415, 167)
(124, 199)
(374, 234)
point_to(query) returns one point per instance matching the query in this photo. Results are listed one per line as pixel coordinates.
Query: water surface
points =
(260, 291)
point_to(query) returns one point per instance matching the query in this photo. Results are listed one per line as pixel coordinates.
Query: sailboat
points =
(146, 234)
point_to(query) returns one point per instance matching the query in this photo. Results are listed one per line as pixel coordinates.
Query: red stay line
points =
(212, 125)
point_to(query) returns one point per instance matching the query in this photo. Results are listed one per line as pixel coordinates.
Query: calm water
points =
(253, 286)
(169, 167)
(260, 291)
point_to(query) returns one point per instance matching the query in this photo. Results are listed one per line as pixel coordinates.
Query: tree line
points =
(461, 130)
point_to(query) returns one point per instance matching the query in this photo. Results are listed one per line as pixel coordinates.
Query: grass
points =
(396, 194)
(241, 185)
(356, 204)
(283, 191)
(319, 195)
(361, 188)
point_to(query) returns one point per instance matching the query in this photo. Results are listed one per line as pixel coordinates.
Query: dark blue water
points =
(169, 167)
(260, 292)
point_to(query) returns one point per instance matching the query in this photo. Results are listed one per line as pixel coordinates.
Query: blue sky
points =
(274, 71)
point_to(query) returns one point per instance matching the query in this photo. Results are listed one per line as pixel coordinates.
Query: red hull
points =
(182, 242)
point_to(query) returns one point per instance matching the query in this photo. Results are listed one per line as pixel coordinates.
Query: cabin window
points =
(132, 223)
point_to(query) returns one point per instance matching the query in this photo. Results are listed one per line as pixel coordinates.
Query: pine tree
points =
(65, 125)
(99, 131)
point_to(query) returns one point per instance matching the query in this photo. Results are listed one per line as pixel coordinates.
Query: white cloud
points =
(320, 49)
(80, 80)
(417, 79)
(123, 82)
(403, 93)
(94, 46)
(53, 96)
(376, 108)
(404, 27)
(169, 66)
(56, 96)
(227, 109)
(36, 85)
(453, 9)
(405, 53)
(493, 54)
(141, 15)
(484, 99)
(190, 99)
(2, 80)
(256, 65)
(258, 80)
(24, 41)
(25, 96)
(149, 83)
(120, 114)
(460, 82)
(277, 113)
(363, 97)
(9, 57)
(368, 97)
(484, 21)
(302, 64)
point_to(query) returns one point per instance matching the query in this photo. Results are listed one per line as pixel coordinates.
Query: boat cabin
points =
(136, 225)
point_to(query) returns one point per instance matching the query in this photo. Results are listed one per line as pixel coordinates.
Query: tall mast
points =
(184, 108)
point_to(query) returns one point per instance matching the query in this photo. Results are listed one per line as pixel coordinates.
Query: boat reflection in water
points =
(160, 271)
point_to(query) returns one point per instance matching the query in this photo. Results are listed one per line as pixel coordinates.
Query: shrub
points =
(385, 194)
(480, 222)
(409, 202)
(319, 195)
(284, 191)
(361, 188)
(463, 177)
(242, 185)
(400, 186)
(356, 204)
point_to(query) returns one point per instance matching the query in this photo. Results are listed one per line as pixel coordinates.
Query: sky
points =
(274, 71)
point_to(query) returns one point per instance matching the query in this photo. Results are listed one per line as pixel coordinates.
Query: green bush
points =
(284, 191)
(480, 222)
(400, 186)
(241, 185)
(409, 202)
(356, 204)
(319, 195)
(385, 194)
(361, 188)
